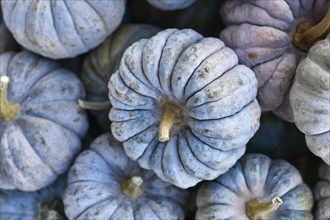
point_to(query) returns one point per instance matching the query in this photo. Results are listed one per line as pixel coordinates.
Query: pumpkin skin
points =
(104, 60)
(322, 193)
(63, 28)
(255, 176)
(310, 99)
(7, 42)
(40, 142)
(197, 81)
(261, 32)
(95, 187)
(169, 5)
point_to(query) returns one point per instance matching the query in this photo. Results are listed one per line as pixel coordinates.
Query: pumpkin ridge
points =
(153, 159)
(98, 14)
(152, 140)
(30, 40)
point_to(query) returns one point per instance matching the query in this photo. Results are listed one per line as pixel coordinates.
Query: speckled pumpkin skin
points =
(94, 187)
(169, 5)
(103, 61)
(41, 142)
(322, 193)
(216, 97)
(255, 176)
(261, 32)
(62, 28)
(310, 99)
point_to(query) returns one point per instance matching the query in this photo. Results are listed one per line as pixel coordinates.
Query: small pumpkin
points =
(40, 121)
(7, 42)
(322, 193)
(169, 5)
(104, 183)
(310, 99)
(271, 37)
(100, 63)
(62, 28)
(256, 188)
(182, 106)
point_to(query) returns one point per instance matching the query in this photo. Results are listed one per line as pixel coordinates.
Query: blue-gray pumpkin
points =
(7, 41)
(62, 28)
(169, 5)
(182, 106)
(310, 99)
(40, 121)
(322, 193)
(256, 188)
(271, 37)
(103, 61)
(104, 183)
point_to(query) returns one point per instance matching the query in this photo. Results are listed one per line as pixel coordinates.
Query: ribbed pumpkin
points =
(169, 5)
(40, 121)
(104, 60)
(62, 28)
(7, 42)
(322, 193)
(271, 37)
(183, 106)
(104, 183)
(256, 188)
(310, 99)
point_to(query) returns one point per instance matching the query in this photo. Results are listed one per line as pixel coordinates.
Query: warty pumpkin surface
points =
(267, 36)
(322, 193)
(62, 28)
(40, 121)
(310, 99)
(256, 188)
(182, 106)
(104, 183)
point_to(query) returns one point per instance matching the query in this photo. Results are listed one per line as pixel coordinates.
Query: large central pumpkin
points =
(183, 106)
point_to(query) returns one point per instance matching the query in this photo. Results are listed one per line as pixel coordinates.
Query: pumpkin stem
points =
(257, 209)
(94, 105)
(8, 111)
(132, 187)
(307, 35)
(171, 115)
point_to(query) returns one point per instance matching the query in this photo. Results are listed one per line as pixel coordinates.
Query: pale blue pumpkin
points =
(41, 123)
(62, 28)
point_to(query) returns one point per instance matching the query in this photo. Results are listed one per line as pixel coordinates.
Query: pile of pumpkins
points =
(165, 109)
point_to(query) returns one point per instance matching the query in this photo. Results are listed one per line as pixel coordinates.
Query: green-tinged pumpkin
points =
(103, 61)
(310, 99)
(272, 37)
(256, 188)
(62, 28)
(182, 106)
(169, 5)
(322, 193)
(104, 183)
(278, 139)
(40, 121)
(203, 16)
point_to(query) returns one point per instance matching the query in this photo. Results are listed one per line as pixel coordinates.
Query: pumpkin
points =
(284, 140)
(104, 183)
(271, 37)
(40, 121)
(7, 42)
(310, 99)
(18, 205)
(100, 63)
(169, 5)
(256, 188)
(322, 193)
(182, 106)
(62, 28)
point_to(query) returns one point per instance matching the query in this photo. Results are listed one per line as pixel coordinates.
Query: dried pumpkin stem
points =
(257, 209)
(307, 35)
(170, 116)
(132, 187)
(8, 111)
(94, 105)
